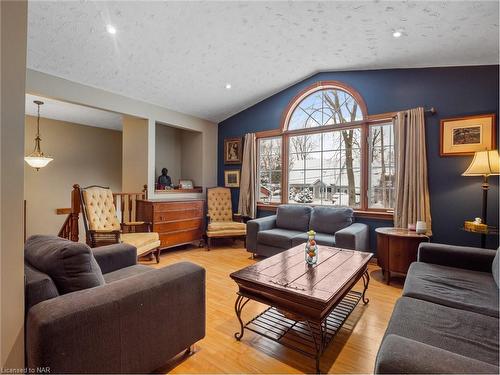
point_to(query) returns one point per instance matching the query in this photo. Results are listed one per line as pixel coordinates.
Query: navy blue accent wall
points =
(454, 92)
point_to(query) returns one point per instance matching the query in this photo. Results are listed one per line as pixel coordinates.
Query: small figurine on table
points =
(164, 180)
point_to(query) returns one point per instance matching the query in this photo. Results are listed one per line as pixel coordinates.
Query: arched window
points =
(325, 105)
(328, 152)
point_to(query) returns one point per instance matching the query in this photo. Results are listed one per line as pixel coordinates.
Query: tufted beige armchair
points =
(103, 227)
(221, 221)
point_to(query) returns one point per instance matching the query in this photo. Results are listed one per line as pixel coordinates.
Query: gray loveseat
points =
(334, 226)
(98, 311)
(447, 319)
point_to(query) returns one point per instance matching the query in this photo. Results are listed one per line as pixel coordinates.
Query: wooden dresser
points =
(177, 222)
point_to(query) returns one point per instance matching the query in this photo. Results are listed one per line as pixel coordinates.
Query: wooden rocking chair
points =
(102, 226)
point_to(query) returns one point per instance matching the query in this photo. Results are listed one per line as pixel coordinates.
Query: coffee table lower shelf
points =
(307, 338)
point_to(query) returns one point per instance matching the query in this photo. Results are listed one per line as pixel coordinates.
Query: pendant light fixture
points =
(37, 159)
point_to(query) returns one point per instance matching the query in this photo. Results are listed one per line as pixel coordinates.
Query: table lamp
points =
(484, 164)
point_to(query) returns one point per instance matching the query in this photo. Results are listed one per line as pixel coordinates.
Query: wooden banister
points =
(65, 231)
(75, 212)
(127, 204)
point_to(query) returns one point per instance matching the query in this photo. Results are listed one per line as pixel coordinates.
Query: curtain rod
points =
(430, 110)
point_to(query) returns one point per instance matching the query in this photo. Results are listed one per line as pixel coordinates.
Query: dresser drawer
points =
(177, 206)
(178, 225)
(181, 237)
(189, 213)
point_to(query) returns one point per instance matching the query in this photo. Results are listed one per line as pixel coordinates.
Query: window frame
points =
(364, 125)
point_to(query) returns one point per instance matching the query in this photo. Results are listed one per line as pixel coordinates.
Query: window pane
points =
(304, 144)
(332, 140)
(331, 159)
(313, 177)
(296, 178)
(313, 160)
(269, 170)
(381, 166)
(300, 195)
(295, 161)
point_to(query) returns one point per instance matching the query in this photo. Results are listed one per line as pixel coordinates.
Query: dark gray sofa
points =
(447, 319)
(334, 226)
(98, 311)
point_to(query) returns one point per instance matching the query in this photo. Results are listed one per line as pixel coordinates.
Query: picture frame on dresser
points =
(463, 136)
(186, 184)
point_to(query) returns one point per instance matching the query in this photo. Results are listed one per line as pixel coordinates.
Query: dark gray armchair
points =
(334, 226)
(98, 311)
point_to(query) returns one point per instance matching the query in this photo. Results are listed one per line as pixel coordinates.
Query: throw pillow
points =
(71, 265)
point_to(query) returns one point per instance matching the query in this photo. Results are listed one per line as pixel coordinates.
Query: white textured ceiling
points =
(78, 114)
(180, 55)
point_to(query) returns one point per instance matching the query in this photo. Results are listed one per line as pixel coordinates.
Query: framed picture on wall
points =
(466, 135)
(232, 178)
(233, 151)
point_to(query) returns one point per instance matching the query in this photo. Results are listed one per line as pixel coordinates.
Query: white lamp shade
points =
(485, 163)
(37, 161)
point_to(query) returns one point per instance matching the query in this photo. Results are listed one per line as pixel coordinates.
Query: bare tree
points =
(347, 135)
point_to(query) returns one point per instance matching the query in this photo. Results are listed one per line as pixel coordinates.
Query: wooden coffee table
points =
(308, 304)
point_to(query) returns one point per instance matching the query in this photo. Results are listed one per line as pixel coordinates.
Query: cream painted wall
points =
(38, 83)
(192, 153)
(181, 152)
(82, 155)
(168, 149)
(135, 157)
(13, 16)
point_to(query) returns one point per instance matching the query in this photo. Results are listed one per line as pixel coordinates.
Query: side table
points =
(397, 249)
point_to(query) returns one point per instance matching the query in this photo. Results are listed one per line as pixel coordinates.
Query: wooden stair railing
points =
(126, 202)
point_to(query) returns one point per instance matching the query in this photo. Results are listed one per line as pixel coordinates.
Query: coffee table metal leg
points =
(366, 281)
(238, 306)
(319, 341)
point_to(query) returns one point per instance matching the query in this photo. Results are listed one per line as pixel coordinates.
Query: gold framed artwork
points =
(466, 135)
(232, 178)
(233, 151)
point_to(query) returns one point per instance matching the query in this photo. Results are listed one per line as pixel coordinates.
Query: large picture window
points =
(329, 152)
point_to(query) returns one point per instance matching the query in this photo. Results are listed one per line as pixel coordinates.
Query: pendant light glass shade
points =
(37, 159)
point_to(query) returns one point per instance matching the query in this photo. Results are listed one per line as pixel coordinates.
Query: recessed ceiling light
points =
(228, 86)
(111, 29)
(397, 33)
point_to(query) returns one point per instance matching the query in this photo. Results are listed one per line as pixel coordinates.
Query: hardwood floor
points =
(353, 350)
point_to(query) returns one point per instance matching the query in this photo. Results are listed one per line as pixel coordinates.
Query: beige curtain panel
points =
(412, 190)
(247, 205)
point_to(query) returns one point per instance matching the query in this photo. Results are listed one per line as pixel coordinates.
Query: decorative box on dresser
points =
(177, 222)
